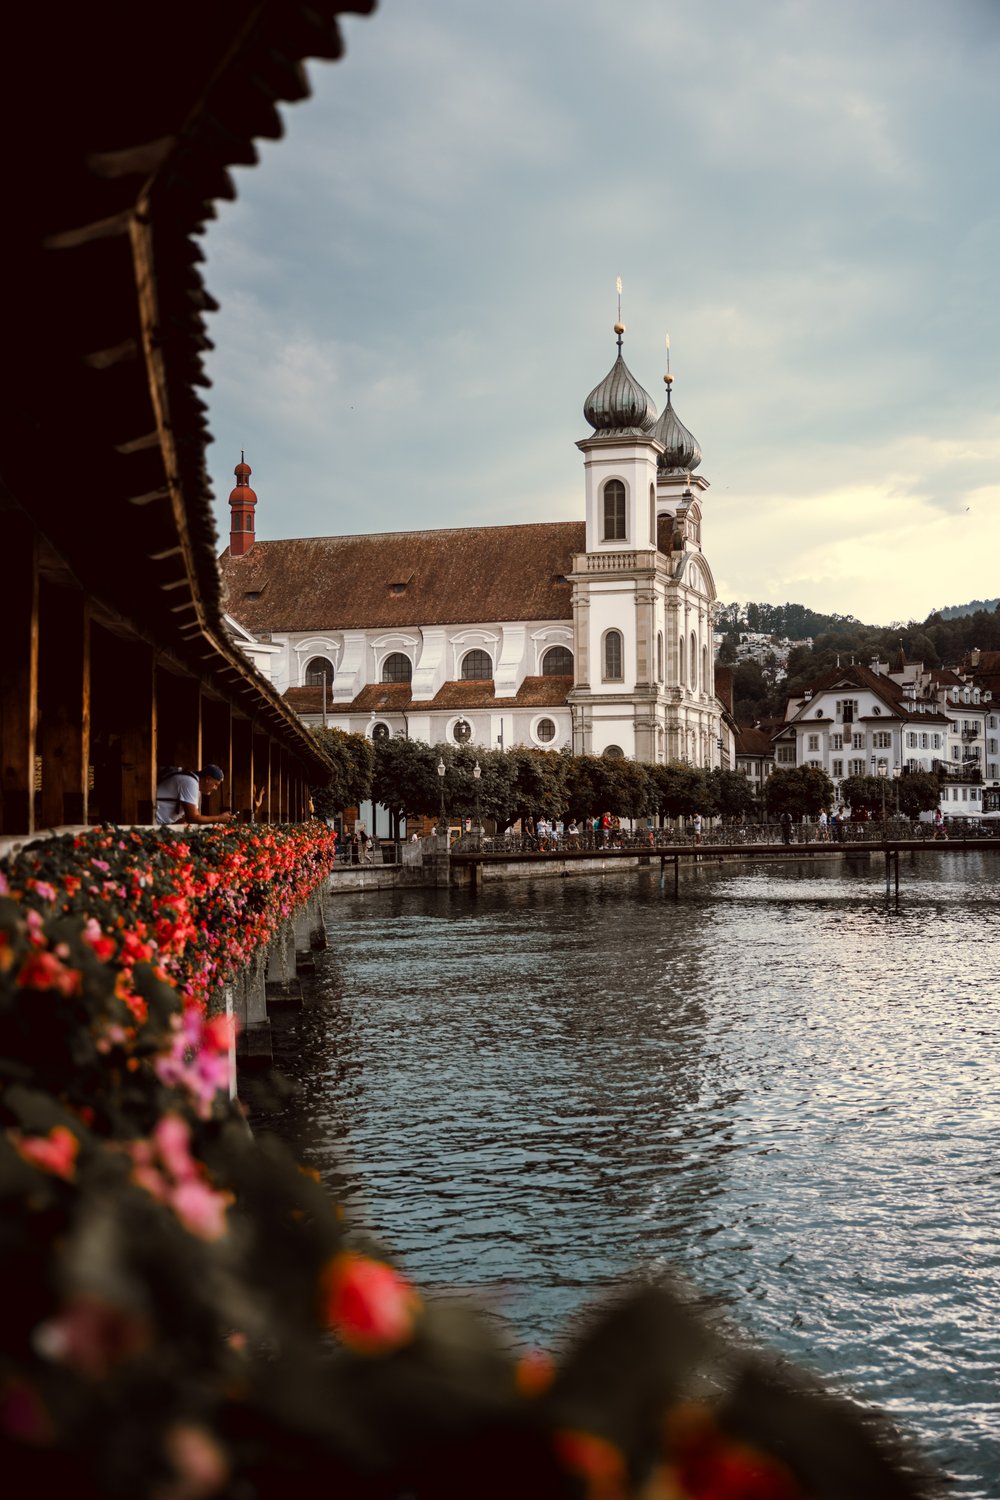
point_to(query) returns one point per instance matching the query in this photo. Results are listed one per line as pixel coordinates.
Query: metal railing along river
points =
(722, 834)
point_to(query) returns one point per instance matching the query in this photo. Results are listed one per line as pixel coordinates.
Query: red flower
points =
(595, 1460)
(44, 971)
(369, 1305)
(55, 1152)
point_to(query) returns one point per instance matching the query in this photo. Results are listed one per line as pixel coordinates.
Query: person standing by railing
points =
(179, 794)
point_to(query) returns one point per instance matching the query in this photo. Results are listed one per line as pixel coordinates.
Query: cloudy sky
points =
(418, 283)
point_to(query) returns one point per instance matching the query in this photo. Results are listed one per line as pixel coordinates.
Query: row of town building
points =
(891, 720)
(593, 635)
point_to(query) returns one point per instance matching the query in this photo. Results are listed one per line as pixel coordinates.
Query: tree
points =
(680, 790)
(351, 783)
(802, 791)
(918, 792)
(866, 791)
(731, 793)
(538, 783)
(405, 779)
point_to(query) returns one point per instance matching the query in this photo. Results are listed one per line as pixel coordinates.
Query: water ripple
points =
(778, 1085)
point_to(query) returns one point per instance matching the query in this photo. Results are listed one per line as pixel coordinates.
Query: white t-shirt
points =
(171, 795)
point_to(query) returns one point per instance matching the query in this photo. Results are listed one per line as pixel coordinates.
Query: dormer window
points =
(614, 511)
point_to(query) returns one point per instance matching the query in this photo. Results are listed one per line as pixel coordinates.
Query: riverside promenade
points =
(471, 862)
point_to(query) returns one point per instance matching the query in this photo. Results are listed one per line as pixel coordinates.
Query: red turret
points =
(242, 500)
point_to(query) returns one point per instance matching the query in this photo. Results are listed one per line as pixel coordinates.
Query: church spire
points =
(242, 501)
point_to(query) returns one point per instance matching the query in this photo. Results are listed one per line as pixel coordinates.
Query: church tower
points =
(643, 595)
(242, 501)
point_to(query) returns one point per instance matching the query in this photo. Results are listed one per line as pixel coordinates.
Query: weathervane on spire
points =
(619, 326)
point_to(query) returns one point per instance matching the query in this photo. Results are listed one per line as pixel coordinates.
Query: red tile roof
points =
(395, 697)
(405, 578)
(753, 741)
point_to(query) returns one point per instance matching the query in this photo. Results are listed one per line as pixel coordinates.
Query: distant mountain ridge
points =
(955, 611)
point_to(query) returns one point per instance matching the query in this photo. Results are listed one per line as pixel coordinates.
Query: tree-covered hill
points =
(945, 639)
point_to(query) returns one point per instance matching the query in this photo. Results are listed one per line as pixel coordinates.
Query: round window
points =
(462, 732)
(545, 730)
(615, 752)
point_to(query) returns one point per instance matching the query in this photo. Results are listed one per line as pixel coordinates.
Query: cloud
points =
(418, 283)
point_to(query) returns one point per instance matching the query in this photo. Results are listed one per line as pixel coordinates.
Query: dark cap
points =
(214, 771)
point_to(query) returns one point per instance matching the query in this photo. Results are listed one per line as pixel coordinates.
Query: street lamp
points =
(880, 769)
(477, 771)
(443, 825)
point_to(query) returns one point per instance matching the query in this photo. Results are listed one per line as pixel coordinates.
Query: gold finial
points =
(619, 326)
(668, 379)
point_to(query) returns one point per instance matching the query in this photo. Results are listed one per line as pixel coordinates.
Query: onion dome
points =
(680, 453)
(619, 405)
(242, 494)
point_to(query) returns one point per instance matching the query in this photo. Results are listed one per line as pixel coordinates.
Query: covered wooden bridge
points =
(115, 658)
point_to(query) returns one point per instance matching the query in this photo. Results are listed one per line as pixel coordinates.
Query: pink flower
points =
(198, 1462)
(173, 1138)
(200, 1209)
(91, 1336)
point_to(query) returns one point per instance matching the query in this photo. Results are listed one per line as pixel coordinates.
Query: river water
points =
(779, 1085)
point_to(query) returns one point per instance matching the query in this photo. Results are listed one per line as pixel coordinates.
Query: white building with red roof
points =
(593, 635)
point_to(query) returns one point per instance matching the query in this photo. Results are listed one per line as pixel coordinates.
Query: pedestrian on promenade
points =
(823, 830)
(696, 824)
(179, 794)
(786, 827)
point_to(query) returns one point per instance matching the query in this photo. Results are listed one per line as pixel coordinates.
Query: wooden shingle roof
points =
(405, 578)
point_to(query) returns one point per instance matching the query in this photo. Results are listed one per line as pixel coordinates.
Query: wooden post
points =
(262, 775)
(274, 781)
(139, 747)
(243, 774)
(178, 719)
(18, 675)
(64, 705)
(216, 743)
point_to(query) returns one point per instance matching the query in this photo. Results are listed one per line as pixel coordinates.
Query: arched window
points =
(397, 668)
(659, 656)
(652, 515)
(545, 730)
(557, 662)
(476, 666)
(613, 656)
(381, 731)
(681, 653)
(462, 732)
(704, 668)
(318, 671)
(614, 511)
(694, 662)
(615, 752)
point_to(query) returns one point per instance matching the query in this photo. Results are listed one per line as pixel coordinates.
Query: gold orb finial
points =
(619, 328)
(668, 379)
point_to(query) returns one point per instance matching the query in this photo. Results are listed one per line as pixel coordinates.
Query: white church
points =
(592, 635)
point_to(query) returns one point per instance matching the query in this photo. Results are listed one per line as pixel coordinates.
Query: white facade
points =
(627, 670)
(879, 722)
